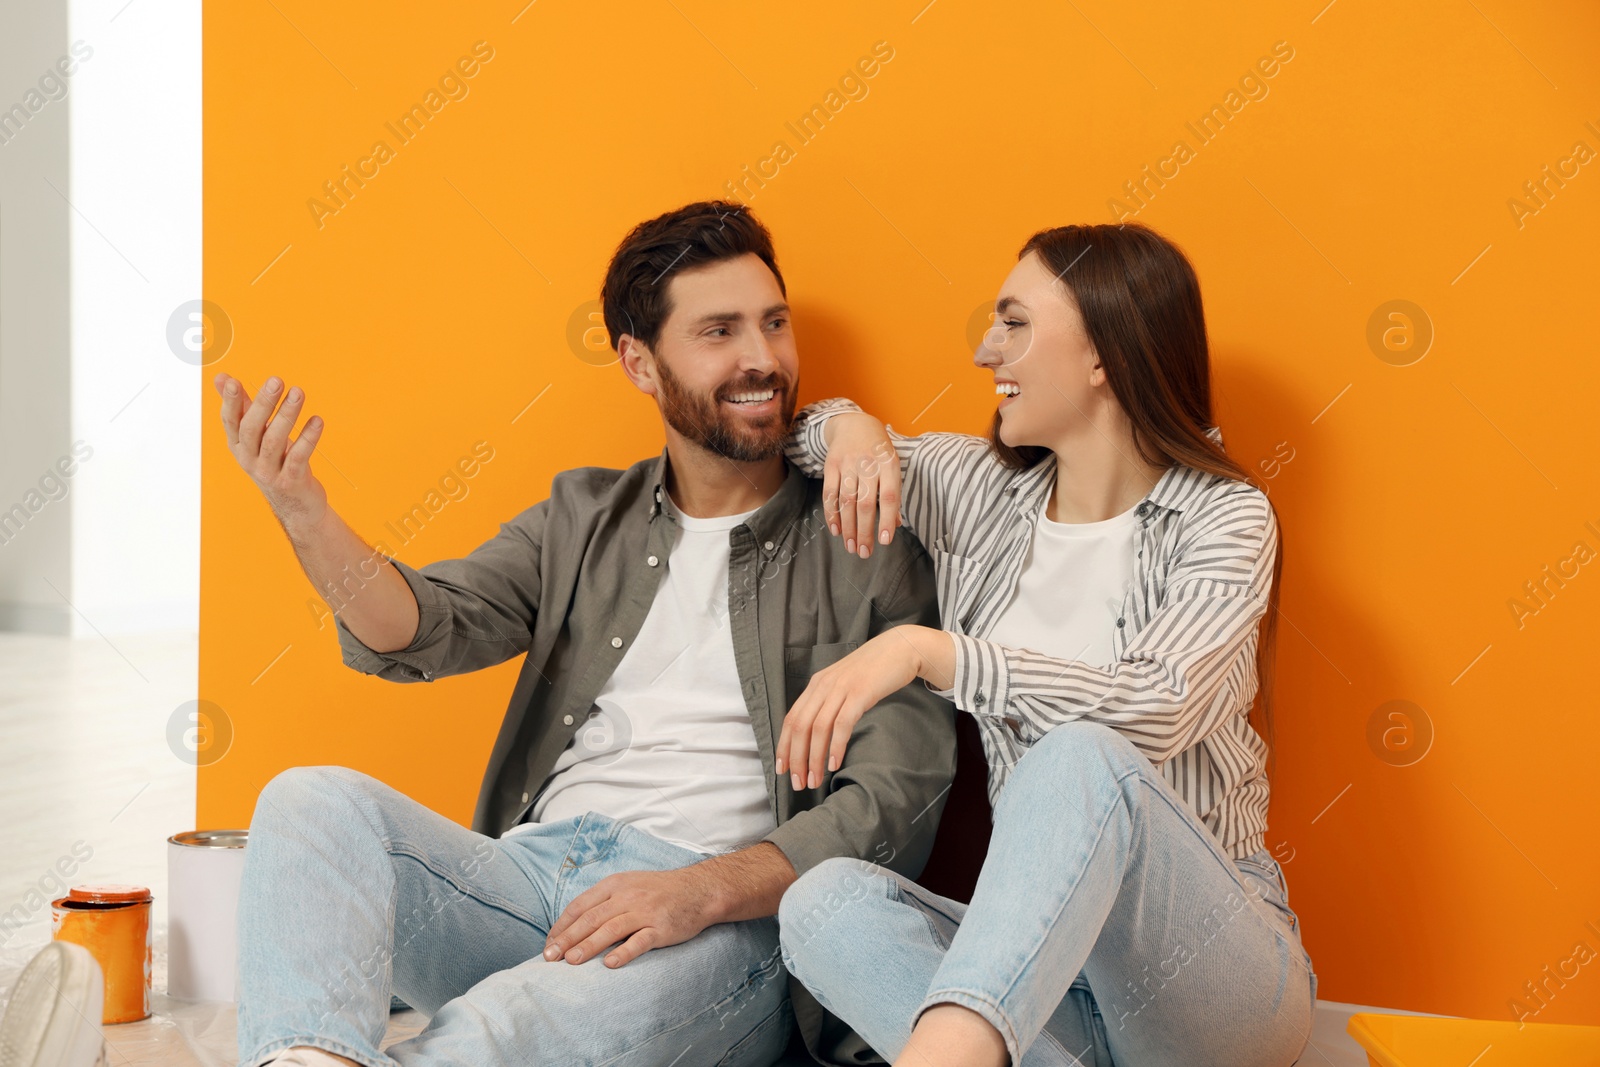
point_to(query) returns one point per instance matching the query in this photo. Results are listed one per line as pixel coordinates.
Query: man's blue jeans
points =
(1106, 927)
(352, 890)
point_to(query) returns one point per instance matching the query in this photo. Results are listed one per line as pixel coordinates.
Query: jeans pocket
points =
(1265, 871)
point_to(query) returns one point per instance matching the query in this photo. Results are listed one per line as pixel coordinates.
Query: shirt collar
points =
(1172, 490)
(771, 520)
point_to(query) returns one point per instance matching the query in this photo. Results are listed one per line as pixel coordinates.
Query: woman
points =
(1103, 568)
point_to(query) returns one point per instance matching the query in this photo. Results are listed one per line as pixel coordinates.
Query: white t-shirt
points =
(668, 747)
(1071, 589)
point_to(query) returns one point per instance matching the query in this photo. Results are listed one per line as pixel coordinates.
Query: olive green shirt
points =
(569, 582)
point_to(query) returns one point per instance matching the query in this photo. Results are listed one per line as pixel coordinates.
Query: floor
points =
(85, 767)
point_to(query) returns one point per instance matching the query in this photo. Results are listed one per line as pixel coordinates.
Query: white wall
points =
(86, 291)
(135, 152)
(35, 407)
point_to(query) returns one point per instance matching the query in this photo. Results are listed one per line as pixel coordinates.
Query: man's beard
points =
(702, 420)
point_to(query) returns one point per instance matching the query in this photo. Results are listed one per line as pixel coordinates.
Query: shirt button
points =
(1119, 623)
(979, 699)
(769, 546)
(1143, 509)
(616, 642)
(652, 561)
(566, 720)
(524, 798)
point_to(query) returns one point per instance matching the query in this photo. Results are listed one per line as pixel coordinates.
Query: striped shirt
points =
(1184, 674)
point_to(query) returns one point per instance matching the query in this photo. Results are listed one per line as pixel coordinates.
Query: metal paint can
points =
(113, 923)
(204, 868)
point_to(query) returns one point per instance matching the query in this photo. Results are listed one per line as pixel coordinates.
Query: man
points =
(670, 614)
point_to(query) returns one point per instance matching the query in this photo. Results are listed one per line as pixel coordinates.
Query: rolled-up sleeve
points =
(472, 612)
(806, 447)
(885, 801)
(935, 468)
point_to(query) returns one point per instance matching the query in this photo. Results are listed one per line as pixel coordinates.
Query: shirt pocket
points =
(957, 580)
(800, 662)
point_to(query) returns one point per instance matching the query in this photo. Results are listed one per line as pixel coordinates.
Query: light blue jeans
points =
(352, 889)
(1107, 927)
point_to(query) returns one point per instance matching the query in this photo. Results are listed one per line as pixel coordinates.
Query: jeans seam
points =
(369, 811)
(1204, 835)
(745, 982)
(493, 900)
(991, 1012)
(363, 804)
(1200, 833)
(783, 1006)
(567, 867)
(1230, 864)
(324, 1044)
(1055, 1042)
(1290, 915)
(911, 901)
(933, 931)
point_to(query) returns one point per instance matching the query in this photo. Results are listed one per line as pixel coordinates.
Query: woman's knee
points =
(809, 912)
(1068, 772)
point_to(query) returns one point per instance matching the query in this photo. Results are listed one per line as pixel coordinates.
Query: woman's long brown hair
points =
(1140, 303)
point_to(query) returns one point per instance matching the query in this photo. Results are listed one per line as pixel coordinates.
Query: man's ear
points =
(638, 363)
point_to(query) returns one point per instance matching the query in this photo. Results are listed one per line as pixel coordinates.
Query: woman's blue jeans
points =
(1107, 927)
(352, 889)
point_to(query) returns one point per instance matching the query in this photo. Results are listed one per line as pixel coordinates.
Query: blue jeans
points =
(352, 890)
(1107, 927)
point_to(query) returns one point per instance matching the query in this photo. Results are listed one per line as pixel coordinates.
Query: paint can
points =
(113, 923)
(204, 868)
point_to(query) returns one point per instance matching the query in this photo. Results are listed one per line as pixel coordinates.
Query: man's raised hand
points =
(259, 440)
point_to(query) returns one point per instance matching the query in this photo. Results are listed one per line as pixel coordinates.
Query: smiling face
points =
(723, 369)
(1050, 381)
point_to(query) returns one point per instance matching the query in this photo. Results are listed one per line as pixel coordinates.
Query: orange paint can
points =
(113, 923)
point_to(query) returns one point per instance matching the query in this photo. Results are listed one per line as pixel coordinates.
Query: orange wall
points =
(428, 312)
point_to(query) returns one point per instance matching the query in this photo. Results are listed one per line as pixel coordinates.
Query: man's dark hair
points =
(634, 294)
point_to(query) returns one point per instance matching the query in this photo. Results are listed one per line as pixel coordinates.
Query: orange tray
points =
(1424, 1041)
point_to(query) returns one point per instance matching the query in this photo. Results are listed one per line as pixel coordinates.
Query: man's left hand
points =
(641, 909)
